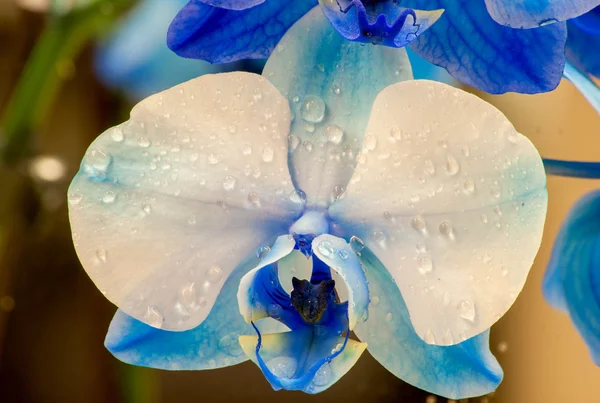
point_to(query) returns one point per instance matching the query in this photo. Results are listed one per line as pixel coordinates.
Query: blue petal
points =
(230, 4)
(331, 84)
(218, 35)
(536, 13)
(482, 53)
(302, 359)
(136, 59)
(423, 70)
(583, 42)
(213, 344)
(573, 276)
(584, 84)
(460, 371)
(383, 23)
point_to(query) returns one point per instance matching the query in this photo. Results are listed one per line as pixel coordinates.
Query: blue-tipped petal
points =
(460, 371)
(230, 4)
(382, 23)
(536, 13)
(213, 344)
(573, 276)
(480, 52)
(331, 84)
(171, 197)
(584, 41)
(219, 35)
(584, 84)
(302, 360)
(136, 59)
(337, 254)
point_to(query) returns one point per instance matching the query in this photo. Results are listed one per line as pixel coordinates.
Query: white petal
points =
(167, 204)
(452, 200)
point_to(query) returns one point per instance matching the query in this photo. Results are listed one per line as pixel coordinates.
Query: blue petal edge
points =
(572, 281)
(484, 54)
(217, 35)
(460, 371)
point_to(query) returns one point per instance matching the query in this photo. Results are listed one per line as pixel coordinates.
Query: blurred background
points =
(69, 69)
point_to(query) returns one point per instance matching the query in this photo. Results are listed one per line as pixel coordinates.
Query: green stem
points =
(61, 41)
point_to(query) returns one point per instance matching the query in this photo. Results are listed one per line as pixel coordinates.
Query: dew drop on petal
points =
(283, 367)
(357, 244)
(323, 375)
(370, 142)
(144, 142)
(214, 274)
(293, 142)
(469, 186)
(213, 159)
(418, 224)
(229, 183)
(246, 149)
(334, 134)
(336, 89)
(343, 254)
(117, 135)
(375, 300)
(268, 154)
(389, 317)
(101, 255)
(338, 192)
(75, 198)
(421, 247)
(325, 248)
(187, 295)
(262, 251)
(253, 199)
(466, 310)
(192, 219)
(446, 229)
(429, 337)
(109, 197)
(312, 109)
(452, 166)
(424, 265)
(146, 208)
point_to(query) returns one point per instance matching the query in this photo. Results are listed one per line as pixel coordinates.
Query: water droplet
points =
(418, 224)
(213, 159)
(469, 186)
(429, 168)
(338, 347)
(336, 89)
(117, 134)
(246, 149)
(495, 191)
(548, 22)
(448, 339)
(262, 251)
(192, 219)
(389, 317)
(338, 192)
(343, 254)
(101, 255)
(424, 265)
(380, 239)
(466, 151)
(313, 109)
(375, 300)
(446, 229)
(144, 142)
(75, 198)
(293, 141)
(484, 218)
(109, 197)
(421, 247)
(187, 295)
(253, 199)
(466, 310)
(153, 317)
(146, 208)
(97, 162)
(370, 143)
(229, 183)
(334, 134)
(214, 274)
(232, 129)
(486, 258)
(268, 154)
(429, 337)
(361, 158)
(357, 244)
(283, 367)
(325, 248)
(452, 166)
(323, 376)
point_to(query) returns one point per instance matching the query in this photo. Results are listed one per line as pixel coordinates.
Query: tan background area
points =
(53, 320)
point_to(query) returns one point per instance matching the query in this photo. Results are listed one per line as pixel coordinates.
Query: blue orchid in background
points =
(238, 217)
(459, 35)
(583, 58)
(135, 57)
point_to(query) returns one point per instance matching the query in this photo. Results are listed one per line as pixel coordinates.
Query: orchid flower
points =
(239, 216)
(583, 58)
(571, 281)
(136, 59)
(494, 45)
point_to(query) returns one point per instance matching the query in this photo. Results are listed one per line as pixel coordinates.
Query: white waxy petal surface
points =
(167, 204)
(452, 200)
